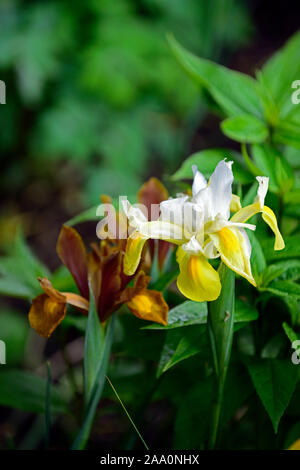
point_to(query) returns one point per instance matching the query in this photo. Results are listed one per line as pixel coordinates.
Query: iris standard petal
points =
(134, 247)
(235, 249)
(197, 280)
(199, 181)
(221, 193)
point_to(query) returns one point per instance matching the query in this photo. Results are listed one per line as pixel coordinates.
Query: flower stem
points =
(220, 328)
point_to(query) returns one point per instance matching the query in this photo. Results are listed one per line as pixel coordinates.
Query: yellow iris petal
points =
(270, 219)
(133, 252)
(232, 246)
(235, 204)
(197, 280)
(268, 216)
(295, 445)
(246, 212)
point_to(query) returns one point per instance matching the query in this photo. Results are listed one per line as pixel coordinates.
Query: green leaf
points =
(275, 381)
(280, 72)
(283, 289)
(26, 391)
(220, 322)
(291, 250)
(258, 261)
(265, 157)
(182, 344)
(14, 332)
(284, 270)
(96, 391)
(185, 314)
(245, 129)
(85, 216)
(207, 160)
(195, 313)
(191, 423)
(20, 269)
(234, 92)
(291, 334)
(288, 133)
(93, 349)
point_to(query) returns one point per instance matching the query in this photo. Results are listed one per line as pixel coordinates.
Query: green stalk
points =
(97, 387)
(220, 328)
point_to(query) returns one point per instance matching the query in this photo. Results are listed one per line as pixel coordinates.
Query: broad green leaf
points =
(284, 270)
(283, 289)
(195, 313)
(265, 157)
(192, 419)
(93, 349)
(12, 287)
(234, 92)
(274, 347)
(26, 391)
(284, 174)
(245, 129)
(185, 314)
(19, 270)
(275, 381)
(182, 344)
(288, 133)
(207, 160)
(292, 210)
(291, 250)
(14, 330)
(292, 197)
(280, 72)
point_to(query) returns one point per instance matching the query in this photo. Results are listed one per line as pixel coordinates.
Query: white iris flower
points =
(202, 228)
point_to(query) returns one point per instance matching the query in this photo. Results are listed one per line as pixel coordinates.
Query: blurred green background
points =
(95, 101)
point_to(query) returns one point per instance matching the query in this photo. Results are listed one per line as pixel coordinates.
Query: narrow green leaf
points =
(275, 381)
(48, 406)
(93, 347)
(96, 391)
(245, 129)
(291, 334)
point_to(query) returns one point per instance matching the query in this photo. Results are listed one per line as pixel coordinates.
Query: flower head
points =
(201, 227)
(102, 270)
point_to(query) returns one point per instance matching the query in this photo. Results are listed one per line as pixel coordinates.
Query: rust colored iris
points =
(102, 270)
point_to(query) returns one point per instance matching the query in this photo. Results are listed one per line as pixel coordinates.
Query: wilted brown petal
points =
(46, 314)
(149, 305)
(71, 250)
